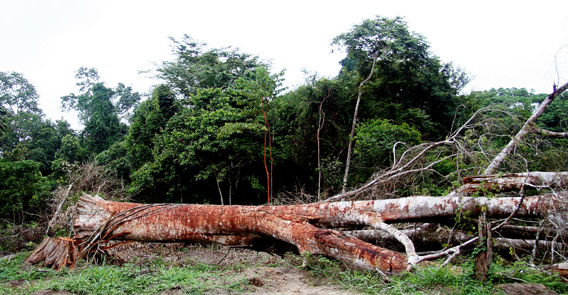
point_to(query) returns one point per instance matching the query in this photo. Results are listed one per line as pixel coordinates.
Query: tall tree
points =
(148, 122)
(367, 43)
(99, 109)
(410, 83)
(197, 67)
(212, 148)
(17, 94)
(263, 87)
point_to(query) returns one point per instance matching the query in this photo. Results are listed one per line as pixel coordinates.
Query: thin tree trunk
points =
(321, 122)
(219, 189)
(268, 172)
(353, 126)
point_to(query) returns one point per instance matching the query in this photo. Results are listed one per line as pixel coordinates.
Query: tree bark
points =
(312, 228)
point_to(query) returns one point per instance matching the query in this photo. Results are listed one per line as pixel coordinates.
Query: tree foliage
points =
(376, 143)
(197, 67)
(196, 151)
(99, 109)
(17, 94)
(23, 191)
(411, 84)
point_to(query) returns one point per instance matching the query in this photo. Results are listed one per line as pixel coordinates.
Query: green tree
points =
(211, 151)
(23, 191)
(70, 150)
(296, 116)
(399, 70)
(197, 68)
(375, 141)
(408, 76)
(513, 106)
(27, 135)
(148, 122)
(99, 109)
(262, 88)
(3, 121)
(17, 94)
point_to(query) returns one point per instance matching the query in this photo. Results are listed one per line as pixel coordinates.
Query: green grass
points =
(433, 279)
(153, 277)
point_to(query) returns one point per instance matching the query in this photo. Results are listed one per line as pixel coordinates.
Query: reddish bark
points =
(227, 225)
(100, 221)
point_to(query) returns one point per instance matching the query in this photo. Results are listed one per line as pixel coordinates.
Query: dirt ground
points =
(266, 273)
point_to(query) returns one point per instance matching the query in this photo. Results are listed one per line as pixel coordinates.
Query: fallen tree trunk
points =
(513, 181)
(309, 227)
(432, 236)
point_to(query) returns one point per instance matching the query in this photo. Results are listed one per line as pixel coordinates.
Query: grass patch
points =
(432, 279)
(157, 275)
(152, 277)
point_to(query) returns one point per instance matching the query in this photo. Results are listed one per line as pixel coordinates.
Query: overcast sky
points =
(500, 43)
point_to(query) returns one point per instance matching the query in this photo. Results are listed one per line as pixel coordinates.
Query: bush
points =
(23, 190)
(374, 144)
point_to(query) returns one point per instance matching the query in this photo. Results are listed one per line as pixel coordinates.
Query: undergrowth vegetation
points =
(158, 275)
(433, 279)
(149, 278)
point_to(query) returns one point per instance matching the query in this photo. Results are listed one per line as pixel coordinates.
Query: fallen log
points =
(432, 236)
(309, 227)
(513, 181)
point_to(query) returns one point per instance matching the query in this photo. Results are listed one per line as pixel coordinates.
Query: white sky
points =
(500, 43)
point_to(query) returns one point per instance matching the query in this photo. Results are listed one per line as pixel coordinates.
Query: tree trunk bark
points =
(309, 227)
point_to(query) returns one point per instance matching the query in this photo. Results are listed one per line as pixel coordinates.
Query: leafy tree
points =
(516, 105)
(3, 121)
(71, 149)
(405, 70)
(23, 191)
(27, 135)
(99, 109)
(116, 161)
(375, 141)
(408, 77)
(20, 112)
(17, 94)
(148, 122)
(197, 151)
(263, 87)
(197, 68)
(209, 152)
(296, 117)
